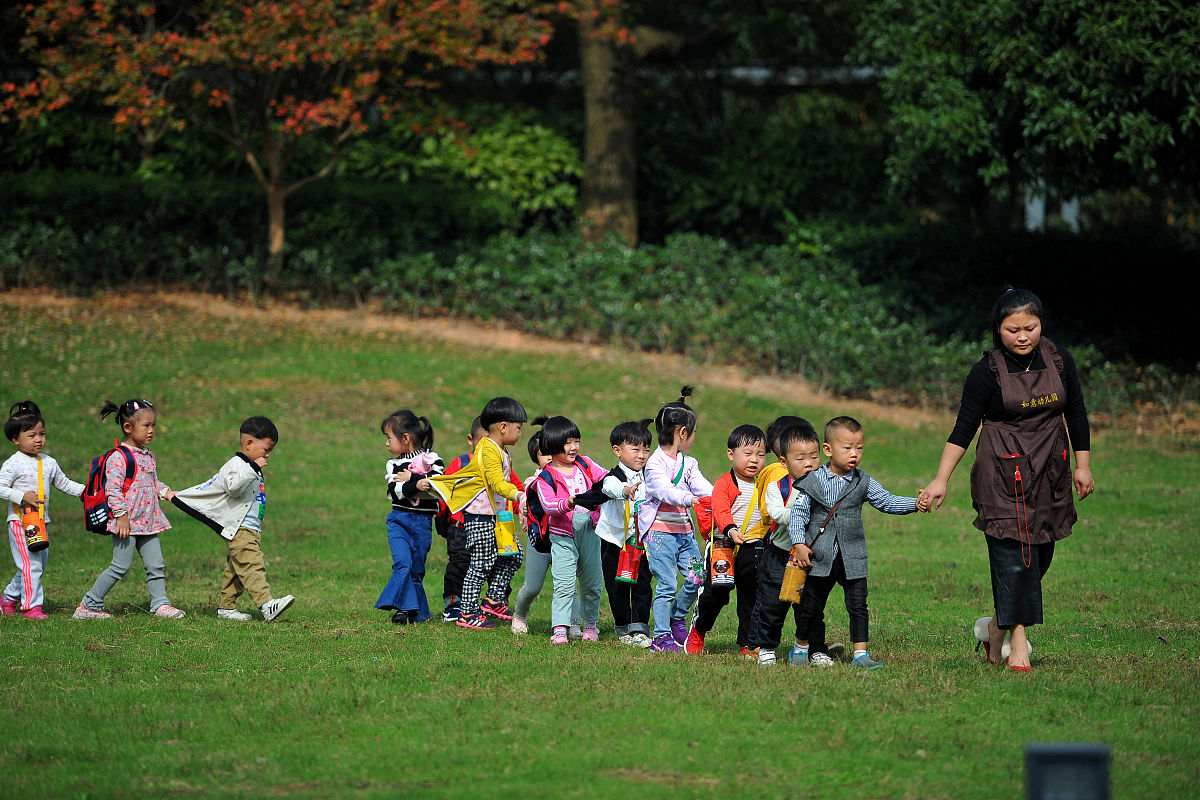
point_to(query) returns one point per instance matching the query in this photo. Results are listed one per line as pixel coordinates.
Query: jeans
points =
(669, 555)
(410, 536)
(150, 549)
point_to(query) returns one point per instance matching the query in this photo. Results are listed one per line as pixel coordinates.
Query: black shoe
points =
(400, 618)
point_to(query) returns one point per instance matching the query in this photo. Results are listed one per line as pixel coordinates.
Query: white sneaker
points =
(627, 638)
(520, 625)
(168, 611)
(642, 640)
(233, 614)
(273, 608)
(766, 657)
(820, 660)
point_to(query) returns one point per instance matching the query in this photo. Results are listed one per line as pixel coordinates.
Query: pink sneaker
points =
(168, 611)
(591, 633)
(36, 613)
(83, 612)
(9, 607)
(560, 636)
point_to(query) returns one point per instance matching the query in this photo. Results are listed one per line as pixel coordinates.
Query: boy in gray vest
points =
(830, 514)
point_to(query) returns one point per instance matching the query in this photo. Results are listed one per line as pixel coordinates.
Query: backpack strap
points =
(130, 463)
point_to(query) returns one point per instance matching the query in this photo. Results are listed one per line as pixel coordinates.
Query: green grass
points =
(333, 701)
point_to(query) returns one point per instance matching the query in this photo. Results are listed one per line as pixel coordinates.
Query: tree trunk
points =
(608, 194)
(276, 195)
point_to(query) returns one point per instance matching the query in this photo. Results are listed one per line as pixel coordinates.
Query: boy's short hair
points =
(744, 435)
(634, 433)
(260, 428)
(476, 428)
(778, 426)
(848, 424)
(555, 433)
(502, 409)
(796, 433)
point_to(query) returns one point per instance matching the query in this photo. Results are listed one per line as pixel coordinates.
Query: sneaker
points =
(9, 607)
(233, 614)
(766, 658)
(36, 613)
(820, 660)
(642, 640)
(559, 636)
(452, 612)
(575, 631)
(83, 612)
(679, 631)
(627, 638)
(749, 653)
(495, 609)
(665, 644)
(168, 611)
(836, 650)
(478, 620)
(865, 662)
(591, 633)
(797, 657)
(520, 625)
(694, 643)
(273, 608)
(400, 618)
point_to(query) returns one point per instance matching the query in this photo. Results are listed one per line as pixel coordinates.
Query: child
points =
(25, 481)
(233, 503)
(450, 526)
(799, 450)
(832, 501)
(625, 487)
(409, 439)
(537, 559)
(737, 515)
(574, 546)
(673, 484)
(480, 490)
(135, 516)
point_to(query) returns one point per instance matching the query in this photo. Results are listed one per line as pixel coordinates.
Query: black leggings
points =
(816, 594)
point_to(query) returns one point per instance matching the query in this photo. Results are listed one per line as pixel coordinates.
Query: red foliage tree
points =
(274, 72)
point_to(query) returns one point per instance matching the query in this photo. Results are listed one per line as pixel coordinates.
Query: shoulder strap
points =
(679, 475)
(750, 508)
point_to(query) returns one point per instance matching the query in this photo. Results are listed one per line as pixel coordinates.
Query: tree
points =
(1080, 95)
(264, 76)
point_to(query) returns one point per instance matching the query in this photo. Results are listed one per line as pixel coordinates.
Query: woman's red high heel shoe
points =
(1022, 668)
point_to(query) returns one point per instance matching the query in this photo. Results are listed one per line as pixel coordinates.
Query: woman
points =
(1021, 391)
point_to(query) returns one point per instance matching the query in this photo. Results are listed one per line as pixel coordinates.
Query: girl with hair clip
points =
(571, 530)
(136, 518)
(409, 439)
(25, 481)
(673, 485)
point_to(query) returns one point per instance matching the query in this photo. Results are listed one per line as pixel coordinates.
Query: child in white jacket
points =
(233, 503)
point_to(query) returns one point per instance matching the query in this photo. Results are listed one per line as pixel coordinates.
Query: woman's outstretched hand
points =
(934, 494)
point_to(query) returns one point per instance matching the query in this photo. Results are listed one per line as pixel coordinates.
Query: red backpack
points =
(96, 512)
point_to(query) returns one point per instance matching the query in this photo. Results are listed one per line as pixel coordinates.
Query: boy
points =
(798, 448)
(480, 489)
(736, 515)
(233, 503)
(830, 515)
(450, 526)
(625, 486)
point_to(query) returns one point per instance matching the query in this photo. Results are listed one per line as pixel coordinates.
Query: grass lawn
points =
(332, 700)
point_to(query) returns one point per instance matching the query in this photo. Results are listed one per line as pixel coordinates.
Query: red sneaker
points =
(9, 607)
(495, 609)
(36, 613)
(694, 643)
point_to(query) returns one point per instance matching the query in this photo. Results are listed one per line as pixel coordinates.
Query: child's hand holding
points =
(402, 476)
(423, 485)
(801, 556)
(30, 499)
(737, 537)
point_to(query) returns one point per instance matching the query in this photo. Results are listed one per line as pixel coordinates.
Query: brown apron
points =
(1021, 480)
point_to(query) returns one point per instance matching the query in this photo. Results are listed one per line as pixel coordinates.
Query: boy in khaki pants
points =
(233, 503)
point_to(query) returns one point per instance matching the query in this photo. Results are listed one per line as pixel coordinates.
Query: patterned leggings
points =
(486, 565)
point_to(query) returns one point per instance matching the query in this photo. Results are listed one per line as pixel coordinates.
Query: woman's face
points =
(1020, 332)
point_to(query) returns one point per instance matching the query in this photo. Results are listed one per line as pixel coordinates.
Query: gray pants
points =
(152, 558)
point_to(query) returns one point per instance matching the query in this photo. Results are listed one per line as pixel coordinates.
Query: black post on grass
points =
(1067, 770)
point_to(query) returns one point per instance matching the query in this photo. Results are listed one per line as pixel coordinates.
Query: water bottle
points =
(793, 583)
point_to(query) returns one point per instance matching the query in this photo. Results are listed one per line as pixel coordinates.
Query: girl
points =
(673, 484)
(537, 561)
(574, 546)
(25, 479)
(136, 519)
(409, 439)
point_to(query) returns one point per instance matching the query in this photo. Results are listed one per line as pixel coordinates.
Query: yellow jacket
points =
(484, 473)
(766, 476)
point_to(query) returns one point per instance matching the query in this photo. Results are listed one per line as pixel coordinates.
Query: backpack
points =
(539, 529)
(96, 512)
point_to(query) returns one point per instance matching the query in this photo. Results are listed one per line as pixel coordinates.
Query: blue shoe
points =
(452, 612)
(797, 657)
(865, 662)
